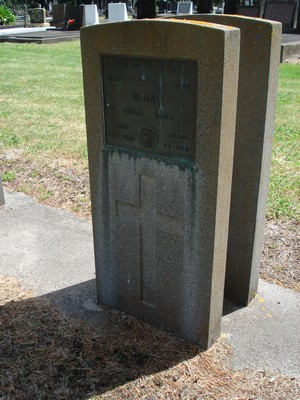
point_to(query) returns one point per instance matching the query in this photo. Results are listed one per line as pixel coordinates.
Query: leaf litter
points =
(45, 355)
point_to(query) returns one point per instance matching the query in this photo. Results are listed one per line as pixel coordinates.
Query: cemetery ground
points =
(43, 154)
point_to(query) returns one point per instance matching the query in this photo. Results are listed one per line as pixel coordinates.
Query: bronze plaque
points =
(150, 105)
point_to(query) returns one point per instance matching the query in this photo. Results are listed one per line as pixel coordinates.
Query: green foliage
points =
(8, 176)
(6, 16)
(9, 139)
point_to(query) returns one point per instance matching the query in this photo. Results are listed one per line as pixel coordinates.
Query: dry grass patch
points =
(281, 253)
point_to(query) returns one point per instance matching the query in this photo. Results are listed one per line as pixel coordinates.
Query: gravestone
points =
(258, 76)
(160, 128)
(117, 12)
(37, 15)
(184, 7)
(145, 9)
(282, 11)
(58, 15)
(2, 200)
(74, 13)
(90, 15)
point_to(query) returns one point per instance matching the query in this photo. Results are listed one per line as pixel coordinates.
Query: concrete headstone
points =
(258, 76)
(160, 127)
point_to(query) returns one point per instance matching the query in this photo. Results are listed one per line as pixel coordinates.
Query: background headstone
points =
(258, 76)
(74, 13)
(117, 12)
(90, 15)
(145, 9)
(37, 15)
(184, 7)
(2, 200)
(58, 15)
(160, 127)
(282, 11)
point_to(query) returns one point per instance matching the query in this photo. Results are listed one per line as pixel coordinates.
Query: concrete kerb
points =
(2, 199)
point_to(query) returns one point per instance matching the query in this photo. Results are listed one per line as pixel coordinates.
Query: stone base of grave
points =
(57, 24)
(41, 36)
(44, 25)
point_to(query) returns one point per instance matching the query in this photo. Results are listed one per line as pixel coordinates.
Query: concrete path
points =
(51, 252)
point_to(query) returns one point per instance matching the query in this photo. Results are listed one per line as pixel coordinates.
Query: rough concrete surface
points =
(265, 335)
(255, 117)
(188, 236)
(51, 252)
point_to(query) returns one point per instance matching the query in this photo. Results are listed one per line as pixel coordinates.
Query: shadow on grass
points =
(47, 355)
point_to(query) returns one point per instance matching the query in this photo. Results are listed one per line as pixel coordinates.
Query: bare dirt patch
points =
(62, 182)
(46, 356)
(293, 60)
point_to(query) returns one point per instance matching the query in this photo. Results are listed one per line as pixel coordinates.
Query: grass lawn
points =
(284, 182)
(42, 128)
(42, 100)
(42, 124)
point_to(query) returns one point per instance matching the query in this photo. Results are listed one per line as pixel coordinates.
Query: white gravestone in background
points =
(117, 12)
(90, 15)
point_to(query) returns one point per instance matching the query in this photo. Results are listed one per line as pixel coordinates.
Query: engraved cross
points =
(150, 221)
